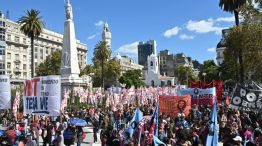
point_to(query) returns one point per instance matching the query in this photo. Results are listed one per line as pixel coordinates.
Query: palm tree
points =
(101, 54)
(234, 6)
(31, 25)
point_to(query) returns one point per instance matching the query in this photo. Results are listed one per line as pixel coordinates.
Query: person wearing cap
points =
(238, 140)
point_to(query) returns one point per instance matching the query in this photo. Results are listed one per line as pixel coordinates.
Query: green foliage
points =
(101, 55)
(51, 66)
(112, 71)
(211, 69)
(184, 74)
(248, 38)
(132, 78)
(87, 70)
(31, 25)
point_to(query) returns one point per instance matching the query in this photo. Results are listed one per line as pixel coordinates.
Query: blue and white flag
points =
(157, 141)
(134, 122)
(212, 137)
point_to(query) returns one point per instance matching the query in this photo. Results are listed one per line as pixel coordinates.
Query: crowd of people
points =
(235, 127)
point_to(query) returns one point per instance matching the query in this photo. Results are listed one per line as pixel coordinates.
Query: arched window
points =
(151, 63)
(162, 83)
(169, 83)
(152, 83)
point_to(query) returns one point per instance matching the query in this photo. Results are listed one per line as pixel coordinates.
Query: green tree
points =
(184, 74)
(211, 69)
(101, 55)
(235, 6)
(31, 25)
(132, 78)
(87, 70)
(51, 66)
(248, 37)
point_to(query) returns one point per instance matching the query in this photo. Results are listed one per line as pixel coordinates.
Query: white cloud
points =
(92, 36)
(213, 49)
(203, 26)
(128, 48)
(226, 19)
(99, 23)
(171, 32)
(186, 37)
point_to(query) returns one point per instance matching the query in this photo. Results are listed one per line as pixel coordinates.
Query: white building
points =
(127, 63)
(221, 47)
(153, 77)
(106, 35)
(15, 50)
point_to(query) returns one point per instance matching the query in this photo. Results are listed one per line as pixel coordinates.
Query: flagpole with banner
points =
(213, 129)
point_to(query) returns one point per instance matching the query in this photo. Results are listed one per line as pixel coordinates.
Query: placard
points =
(172, 105)
(42, 96)
(5, 92)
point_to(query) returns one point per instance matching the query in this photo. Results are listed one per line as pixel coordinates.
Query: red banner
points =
(172, 105)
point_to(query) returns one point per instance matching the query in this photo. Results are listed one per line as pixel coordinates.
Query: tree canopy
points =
(132, 78)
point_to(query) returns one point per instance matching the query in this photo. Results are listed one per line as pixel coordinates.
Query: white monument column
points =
(69, 62)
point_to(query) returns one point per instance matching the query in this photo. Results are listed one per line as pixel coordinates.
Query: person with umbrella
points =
(69, 135)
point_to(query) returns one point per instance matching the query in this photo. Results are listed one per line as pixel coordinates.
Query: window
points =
(16, 56)
(2, 52)
(36, 55)
(8, 55)
(46, 51)
(2, 37)
(151, 63)
(2, 66)
(36, 49)
(2, 72)
(9, 37)
(17, 66)
(35, 64)
(24, 57)
(24, 66)
(24, 49)
(17, 39)
(8, 65)
(24, 74)
(24, 40)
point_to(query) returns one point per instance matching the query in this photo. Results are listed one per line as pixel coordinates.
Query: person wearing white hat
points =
(238, 140)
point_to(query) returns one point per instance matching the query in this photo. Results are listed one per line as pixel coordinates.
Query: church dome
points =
(118, 57)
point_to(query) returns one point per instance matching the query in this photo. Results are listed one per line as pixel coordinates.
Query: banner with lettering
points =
(200, 96)
(245, 98)
(42, 96)
(5, 92)
(172, 105)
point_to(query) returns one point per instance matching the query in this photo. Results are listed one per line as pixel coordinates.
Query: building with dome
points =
(221, 47)
(153, 77)
(126, 63)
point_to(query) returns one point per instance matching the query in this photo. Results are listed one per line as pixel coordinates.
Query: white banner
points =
(42, 96)
(5, 92)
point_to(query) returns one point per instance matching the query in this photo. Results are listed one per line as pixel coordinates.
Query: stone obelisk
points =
(69, 62)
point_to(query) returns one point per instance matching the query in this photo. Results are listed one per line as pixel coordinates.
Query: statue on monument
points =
(69, 13)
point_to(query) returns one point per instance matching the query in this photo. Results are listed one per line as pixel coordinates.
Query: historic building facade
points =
(15, 49)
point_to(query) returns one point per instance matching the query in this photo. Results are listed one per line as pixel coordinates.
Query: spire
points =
(106, 26)
(69, 13)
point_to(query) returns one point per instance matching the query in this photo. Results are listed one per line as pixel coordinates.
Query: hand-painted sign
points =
(42, 96)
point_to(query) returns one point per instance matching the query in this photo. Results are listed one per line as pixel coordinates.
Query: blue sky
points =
(189, 26)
